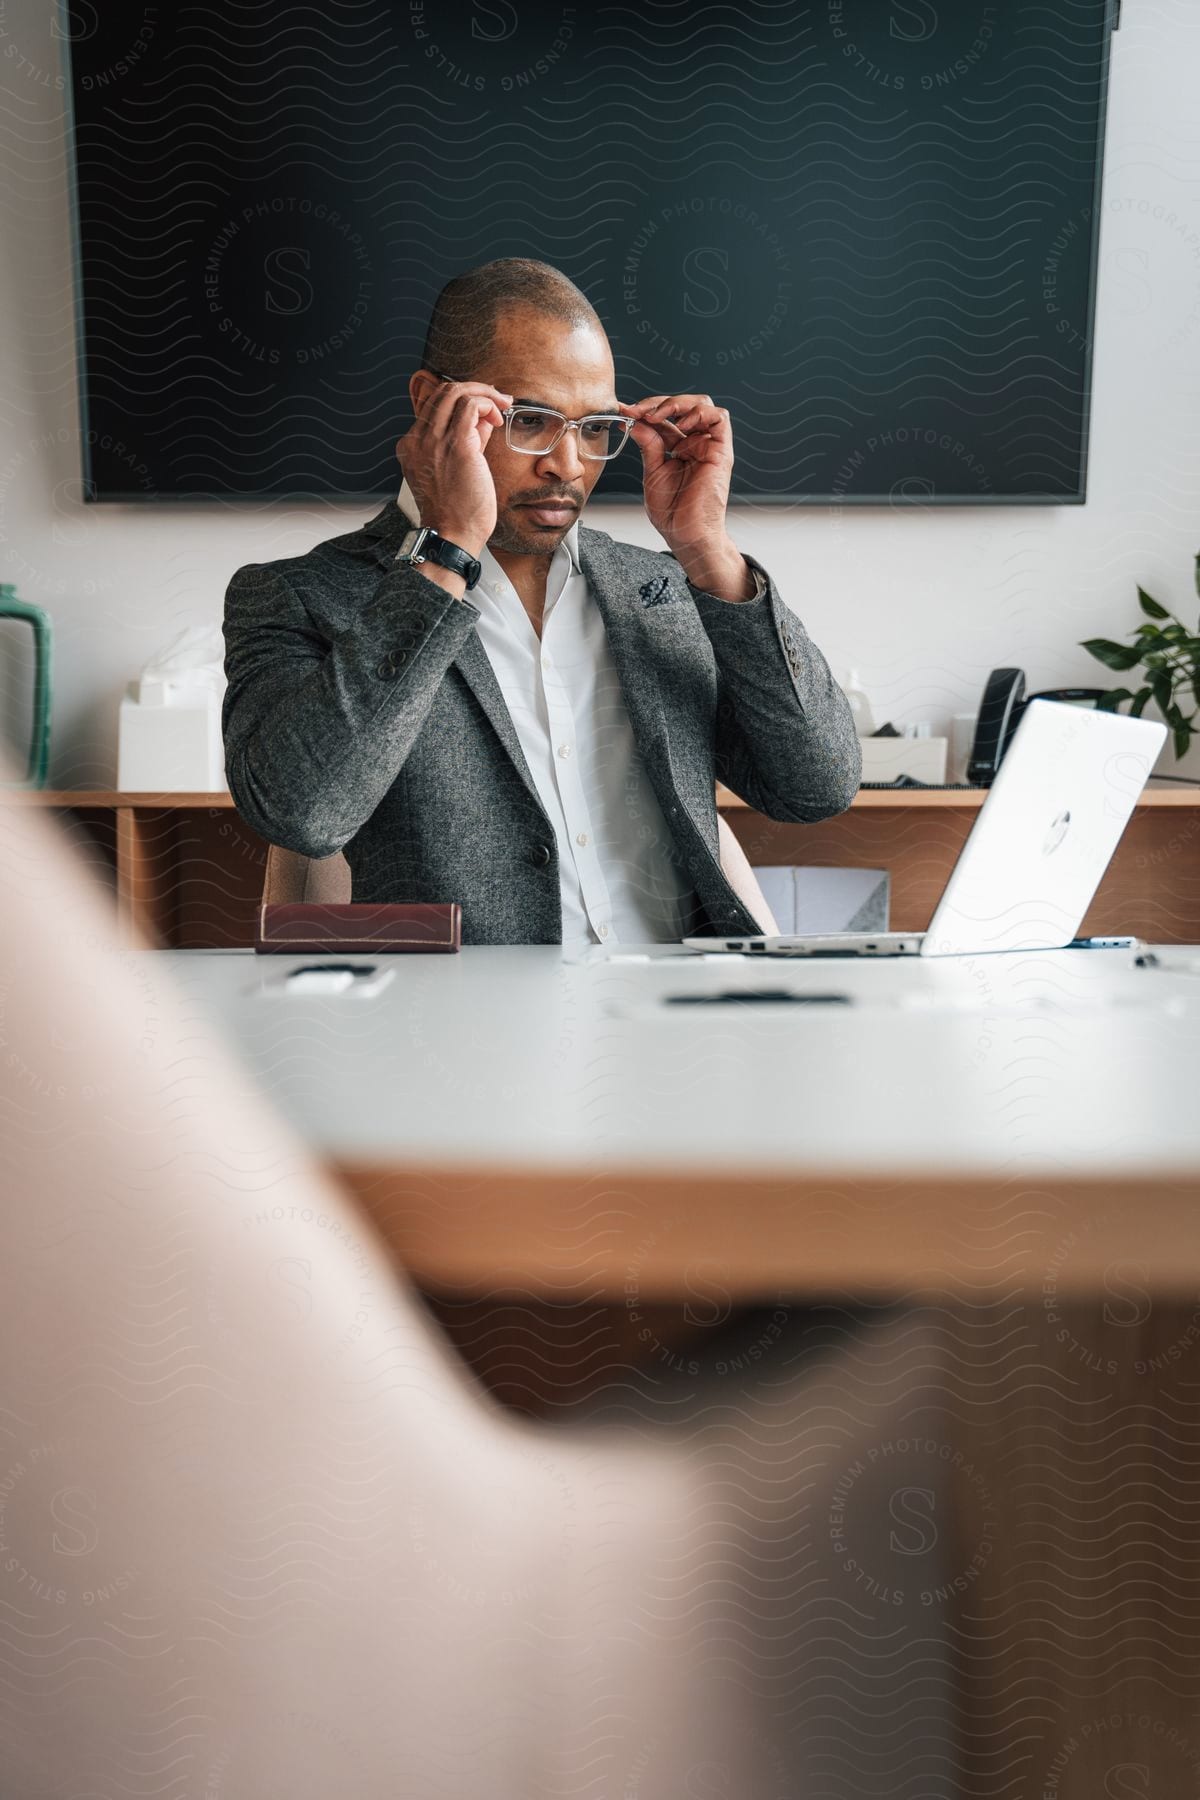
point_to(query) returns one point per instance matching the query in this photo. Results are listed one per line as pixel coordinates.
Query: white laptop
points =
(1044, 836)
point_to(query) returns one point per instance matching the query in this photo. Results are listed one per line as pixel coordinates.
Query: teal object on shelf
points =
(39, 736)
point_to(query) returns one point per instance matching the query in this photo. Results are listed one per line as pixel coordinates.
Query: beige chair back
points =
(291, 877)
(735, 866)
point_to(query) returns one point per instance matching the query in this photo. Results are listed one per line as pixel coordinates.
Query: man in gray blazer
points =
(476, 698)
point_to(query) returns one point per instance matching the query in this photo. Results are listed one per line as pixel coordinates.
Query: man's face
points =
(544, 362)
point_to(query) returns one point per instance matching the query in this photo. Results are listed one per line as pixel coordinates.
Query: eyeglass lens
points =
(535, 431)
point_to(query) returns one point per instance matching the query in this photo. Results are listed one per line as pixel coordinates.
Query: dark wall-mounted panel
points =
(868, 228)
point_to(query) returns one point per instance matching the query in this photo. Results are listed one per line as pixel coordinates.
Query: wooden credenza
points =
(187, 869)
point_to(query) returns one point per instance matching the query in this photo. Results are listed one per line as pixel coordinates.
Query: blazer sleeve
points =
(316, 731)
(785, 736)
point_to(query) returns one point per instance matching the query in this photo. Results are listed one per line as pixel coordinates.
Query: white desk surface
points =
(1065, 1064)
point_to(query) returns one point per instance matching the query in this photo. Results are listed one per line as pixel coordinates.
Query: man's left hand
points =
(687, 461)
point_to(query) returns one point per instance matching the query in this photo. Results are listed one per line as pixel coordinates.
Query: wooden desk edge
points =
(560, 1234)
(969, 798)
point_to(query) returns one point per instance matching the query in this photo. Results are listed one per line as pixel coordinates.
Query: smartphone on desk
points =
(360, 980)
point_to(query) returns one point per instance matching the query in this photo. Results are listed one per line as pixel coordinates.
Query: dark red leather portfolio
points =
(306, 927)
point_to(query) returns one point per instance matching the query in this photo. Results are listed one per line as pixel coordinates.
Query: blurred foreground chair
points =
(290, 876)
(260, 1534)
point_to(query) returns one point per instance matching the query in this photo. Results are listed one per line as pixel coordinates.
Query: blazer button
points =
(386, 669)
(539, 856)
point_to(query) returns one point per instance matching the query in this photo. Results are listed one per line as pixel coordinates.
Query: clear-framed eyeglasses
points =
(536, 430)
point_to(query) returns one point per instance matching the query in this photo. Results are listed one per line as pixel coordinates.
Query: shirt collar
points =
(406, 501)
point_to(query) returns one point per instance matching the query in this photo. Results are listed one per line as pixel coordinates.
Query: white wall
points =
(923, 602)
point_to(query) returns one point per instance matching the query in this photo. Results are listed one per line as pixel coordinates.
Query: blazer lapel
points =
(474, 665)
(621, 604)
(387, 528)
(610, 588)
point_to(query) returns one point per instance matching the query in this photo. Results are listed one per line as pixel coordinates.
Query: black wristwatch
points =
(427, 545)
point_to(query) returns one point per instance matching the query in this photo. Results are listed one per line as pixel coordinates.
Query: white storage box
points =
(924, 758)
(173, 749)
(169, 730)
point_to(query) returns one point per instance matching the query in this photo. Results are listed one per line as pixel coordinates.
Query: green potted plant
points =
(1170, 655)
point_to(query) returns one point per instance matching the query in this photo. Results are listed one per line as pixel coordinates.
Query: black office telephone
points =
(1004, 701)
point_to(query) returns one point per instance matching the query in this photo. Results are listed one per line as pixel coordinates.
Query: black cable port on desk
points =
(756, 997)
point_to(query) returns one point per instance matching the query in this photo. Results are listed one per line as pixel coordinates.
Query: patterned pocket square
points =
(658, 593)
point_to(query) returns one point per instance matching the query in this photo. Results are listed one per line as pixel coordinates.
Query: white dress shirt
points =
(620, 875)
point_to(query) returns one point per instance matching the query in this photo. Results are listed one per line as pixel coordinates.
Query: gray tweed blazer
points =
(362, 715)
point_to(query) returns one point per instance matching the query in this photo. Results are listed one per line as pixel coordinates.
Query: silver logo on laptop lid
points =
(1056, 833)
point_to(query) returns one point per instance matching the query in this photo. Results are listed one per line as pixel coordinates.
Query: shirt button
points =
(581, 837)
(564, 750)
(602, 931)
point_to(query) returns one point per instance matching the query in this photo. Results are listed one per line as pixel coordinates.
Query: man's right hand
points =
(443, 461)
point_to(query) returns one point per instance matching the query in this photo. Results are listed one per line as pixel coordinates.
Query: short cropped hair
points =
(466, 312)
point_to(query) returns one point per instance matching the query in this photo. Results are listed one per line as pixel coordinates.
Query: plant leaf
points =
(1162, 688)
(1150, 607)
(1183, 737)
(1109, 701)
(1113, 656)
(1198, 571)
(1139, 703)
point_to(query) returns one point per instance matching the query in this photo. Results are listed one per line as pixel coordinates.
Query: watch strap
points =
(428, 545)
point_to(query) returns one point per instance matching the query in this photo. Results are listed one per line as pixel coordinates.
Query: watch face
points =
(410, 543)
